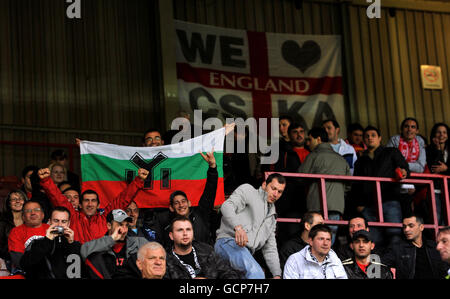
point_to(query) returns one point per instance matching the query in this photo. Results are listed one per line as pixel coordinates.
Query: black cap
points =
(362, 233)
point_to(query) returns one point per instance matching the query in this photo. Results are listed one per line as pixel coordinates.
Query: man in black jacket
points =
(200, 215)
(363, 264)
(417, 258)
(379, 161)
(57, 255)
(189, 259)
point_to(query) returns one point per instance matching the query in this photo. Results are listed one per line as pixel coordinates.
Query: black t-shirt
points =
(189, 260)
(423, 267)
(120, 251)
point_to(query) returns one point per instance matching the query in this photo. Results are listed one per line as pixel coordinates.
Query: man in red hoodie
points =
(87, 223)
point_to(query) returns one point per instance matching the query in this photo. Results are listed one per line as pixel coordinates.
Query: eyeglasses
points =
(157, 138)
(32, 210)
(17, 199)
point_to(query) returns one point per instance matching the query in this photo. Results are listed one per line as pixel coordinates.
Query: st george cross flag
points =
(106, 169)
(229, 73)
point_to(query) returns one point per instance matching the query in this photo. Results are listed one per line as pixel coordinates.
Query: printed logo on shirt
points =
(31, 239)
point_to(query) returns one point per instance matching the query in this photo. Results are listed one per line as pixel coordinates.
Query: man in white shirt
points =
(317, 260)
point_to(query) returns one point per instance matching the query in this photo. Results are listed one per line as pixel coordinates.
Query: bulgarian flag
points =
(107, 168)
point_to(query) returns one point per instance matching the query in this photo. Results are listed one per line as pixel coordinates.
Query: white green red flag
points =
(107, 168)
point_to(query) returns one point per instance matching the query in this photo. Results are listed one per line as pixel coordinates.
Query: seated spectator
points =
(248, 224)
(149, 230)
(200, 215)
(88, 223)
(379, 161)
(59, 156)
(152, 137)
(317, 260)
(56, 254)
(11, 217)
(23, 235)
(356, 223)
(438, 160)
(362, 265)
(417, 257)
(189, 259)
(105, 256)
(340, 146)
(300, 241)
(355, 138)
(149, 263)
(324, 160)
(443, 246)
(58, 173)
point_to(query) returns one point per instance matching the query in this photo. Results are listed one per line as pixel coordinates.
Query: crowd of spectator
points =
(50, 229)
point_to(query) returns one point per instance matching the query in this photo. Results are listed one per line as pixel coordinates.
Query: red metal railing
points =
(426, 179)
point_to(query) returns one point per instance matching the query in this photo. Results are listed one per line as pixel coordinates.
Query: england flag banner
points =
(229, 73)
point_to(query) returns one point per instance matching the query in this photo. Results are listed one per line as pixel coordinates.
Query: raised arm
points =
(53, 192)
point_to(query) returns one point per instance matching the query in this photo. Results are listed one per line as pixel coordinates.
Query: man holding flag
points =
(88, 224)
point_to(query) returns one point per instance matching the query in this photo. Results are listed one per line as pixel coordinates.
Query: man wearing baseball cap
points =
(363, 264)
(105, 256)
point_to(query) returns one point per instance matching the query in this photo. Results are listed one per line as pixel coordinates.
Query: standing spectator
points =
(73, 197)
(361, 265)
(410, 144)
(290, 159)
(355, 138)
(59, 156)
(417, 257)
(23, 235)
(200, 215)
(54, 256)
(324, 160)
(339, 146)
(412, 147)
(443, 246)
(438, 160)
(379, 161)
(88, 223)
(105, 256)
(152, 137)
(248, 224)
(150, 229)
(284, 122)
(11, 217)
(189, 259)
(27, 187)
(58, 173)
(300, 241)
(317, 260)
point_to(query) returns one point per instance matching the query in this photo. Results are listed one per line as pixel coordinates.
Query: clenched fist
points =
(143, 173)
(43, 173)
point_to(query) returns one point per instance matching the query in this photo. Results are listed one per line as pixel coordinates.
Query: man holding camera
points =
(56, 255)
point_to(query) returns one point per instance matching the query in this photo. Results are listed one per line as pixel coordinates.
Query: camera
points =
(59, 230)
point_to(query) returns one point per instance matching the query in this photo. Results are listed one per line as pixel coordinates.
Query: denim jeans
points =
(239, 258)
(334, 228)
(392, 212)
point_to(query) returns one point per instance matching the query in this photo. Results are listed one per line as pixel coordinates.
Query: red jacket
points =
(93, 227)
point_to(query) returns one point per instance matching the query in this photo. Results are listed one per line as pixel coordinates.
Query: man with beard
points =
(363, 265)
(189, 259)
(107, 255)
